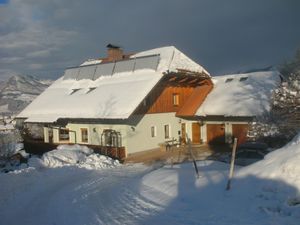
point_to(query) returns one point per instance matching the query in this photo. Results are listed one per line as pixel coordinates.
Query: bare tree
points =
(283, 121)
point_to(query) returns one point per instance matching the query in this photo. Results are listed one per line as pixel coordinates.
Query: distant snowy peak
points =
(24, 84)
(18, 91)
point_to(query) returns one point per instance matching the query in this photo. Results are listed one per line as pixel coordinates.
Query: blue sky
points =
(3, 1)
(42, 38)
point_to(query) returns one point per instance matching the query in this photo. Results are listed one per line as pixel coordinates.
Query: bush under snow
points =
(81, 156)
(68, 155)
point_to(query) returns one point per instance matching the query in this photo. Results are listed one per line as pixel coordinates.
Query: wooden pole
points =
(232, 164)
(193, 157)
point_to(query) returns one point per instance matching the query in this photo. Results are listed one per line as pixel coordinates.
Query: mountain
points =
(18, 91)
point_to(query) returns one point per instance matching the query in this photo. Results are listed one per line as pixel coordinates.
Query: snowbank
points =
(81, 156)
(282, 164)
(64, 155)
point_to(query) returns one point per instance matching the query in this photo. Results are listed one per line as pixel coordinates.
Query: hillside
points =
(18, 91)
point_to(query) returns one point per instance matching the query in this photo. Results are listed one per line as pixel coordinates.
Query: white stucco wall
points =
(139, 138)
(135, 132)
(94, 132)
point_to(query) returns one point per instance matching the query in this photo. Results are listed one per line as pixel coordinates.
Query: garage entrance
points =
(215, 133)
(240, 131)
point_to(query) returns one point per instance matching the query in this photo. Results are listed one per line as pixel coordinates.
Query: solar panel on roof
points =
(104, 70)
(149, 62)
(71, 73)
(93, 72)
(124, 66)
(86, 72)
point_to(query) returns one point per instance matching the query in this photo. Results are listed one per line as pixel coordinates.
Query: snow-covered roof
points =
(172, 59)
(240, 94)
(105, 96)
(91, 62)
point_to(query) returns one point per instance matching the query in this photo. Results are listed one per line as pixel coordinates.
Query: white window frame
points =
(153, 132)
(176, 99)
(65, 137)
(87, 135)
(169, 131)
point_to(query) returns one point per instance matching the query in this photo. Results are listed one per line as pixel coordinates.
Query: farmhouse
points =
(128, 103)
(121, 103)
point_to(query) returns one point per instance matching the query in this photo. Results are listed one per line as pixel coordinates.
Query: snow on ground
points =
(266, 192)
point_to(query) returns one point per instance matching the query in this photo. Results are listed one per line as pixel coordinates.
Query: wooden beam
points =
(172, 78)
(193, 81)
(183, 80)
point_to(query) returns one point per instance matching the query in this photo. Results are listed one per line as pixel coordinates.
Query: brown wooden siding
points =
(215, 133)
(196, 99)
(240, 131)
(160, 100)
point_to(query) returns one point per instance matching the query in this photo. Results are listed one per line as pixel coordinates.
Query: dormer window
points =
(74, 90)
(90, 89)
(228, 80)
(243, 78)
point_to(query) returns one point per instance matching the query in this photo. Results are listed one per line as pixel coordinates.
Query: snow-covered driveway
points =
(72, 195)
(265, 193)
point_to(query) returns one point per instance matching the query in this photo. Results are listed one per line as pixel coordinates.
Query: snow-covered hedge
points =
(76, 155)
(64, 155)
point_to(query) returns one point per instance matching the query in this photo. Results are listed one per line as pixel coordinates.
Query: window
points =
(111, 138)
(228, 80)
(167, 131)
(243, 78)
(84, 135)
(175, 99)
(90, 90)
(153, 131)
(74, 90)
(64, 134)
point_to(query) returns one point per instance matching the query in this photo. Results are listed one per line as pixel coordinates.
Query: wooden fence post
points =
(232, 164)
(192, 155)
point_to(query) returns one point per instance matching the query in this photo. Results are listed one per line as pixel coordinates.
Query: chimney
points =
(114, 53)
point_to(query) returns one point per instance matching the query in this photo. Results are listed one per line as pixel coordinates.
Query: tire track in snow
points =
(74, 196)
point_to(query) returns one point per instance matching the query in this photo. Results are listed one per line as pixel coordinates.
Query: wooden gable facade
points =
(173, 93)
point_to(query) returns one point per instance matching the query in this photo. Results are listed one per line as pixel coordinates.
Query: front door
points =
(196, 134)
